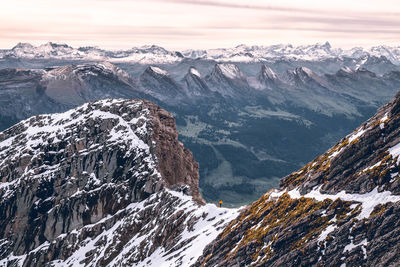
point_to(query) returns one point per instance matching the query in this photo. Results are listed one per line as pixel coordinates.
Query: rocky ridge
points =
(107, 183)
(340, 209)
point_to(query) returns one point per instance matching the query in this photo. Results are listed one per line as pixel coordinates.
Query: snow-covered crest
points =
(158, 70)
(229, 70)
(194, 71)
(158, 55)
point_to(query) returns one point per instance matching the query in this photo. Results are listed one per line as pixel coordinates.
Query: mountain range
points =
(247, 123)
(152, 54)
(108, 183)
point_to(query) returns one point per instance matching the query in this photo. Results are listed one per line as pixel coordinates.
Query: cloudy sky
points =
(178, 24)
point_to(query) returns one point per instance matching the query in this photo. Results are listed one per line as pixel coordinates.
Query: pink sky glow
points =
(178, 24)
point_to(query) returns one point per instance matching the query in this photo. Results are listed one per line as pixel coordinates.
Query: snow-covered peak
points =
(303, 75)
(158, 71)
(152, 54)
(268, 72)
(243, 53)
(23, 46)
(391, 53)
(319, 51)
(105, 68)
(144, 55)
(194, 71)
(300, 73)
(113, 69)
(229, 70)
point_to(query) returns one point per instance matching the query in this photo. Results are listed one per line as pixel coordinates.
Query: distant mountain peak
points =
(195, 84)
(194, 71)
(23, 45)
(229, 70)
(158, 70)
(327, 44)
(267, 72)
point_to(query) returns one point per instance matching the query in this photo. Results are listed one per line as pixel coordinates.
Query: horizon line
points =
(143, 46)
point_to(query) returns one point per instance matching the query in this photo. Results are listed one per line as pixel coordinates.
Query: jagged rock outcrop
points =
(340, 209)
(107, 183)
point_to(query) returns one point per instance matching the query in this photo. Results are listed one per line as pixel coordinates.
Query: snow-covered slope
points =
(107, 183)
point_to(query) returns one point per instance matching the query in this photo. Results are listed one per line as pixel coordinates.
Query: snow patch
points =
(230, 70)
(368, 200)
(356, 135)
(324, 234)
(351, 246)
(383, 120)
(159, 71)
(195, 72)
(395, 152)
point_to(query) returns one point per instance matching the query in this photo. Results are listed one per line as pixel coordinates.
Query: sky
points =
(178, 24)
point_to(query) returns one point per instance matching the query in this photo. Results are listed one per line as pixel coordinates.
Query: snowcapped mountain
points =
(303, 76)
(340, 209)
(28, 92)
(159, 84)
(228, 80)
(243, 53)
(107, 183)
(265, 79)
(219, 107)
(143, 55)
(157, 55)
(195, 85)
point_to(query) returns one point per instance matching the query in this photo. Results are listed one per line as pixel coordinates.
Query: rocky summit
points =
(341, 209)
(107, 183)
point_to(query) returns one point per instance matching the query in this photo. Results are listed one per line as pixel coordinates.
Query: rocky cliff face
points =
(339, 210)
(105, 183)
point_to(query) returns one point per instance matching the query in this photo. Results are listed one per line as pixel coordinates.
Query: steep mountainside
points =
(107, 183)
(341, 209)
